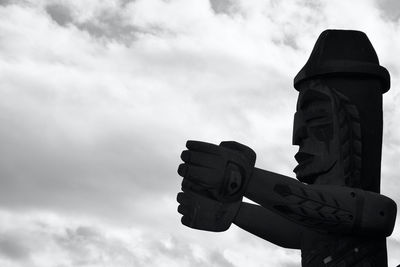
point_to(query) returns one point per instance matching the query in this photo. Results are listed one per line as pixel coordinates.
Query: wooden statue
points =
(334, 212)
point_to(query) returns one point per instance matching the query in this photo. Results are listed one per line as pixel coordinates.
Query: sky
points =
(97, 100)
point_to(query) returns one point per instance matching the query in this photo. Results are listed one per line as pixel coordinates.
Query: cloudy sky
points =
(97, 100)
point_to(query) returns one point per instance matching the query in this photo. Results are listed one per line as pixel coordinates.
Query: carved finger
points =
(183, 209)
(202, 159)
(203, 147)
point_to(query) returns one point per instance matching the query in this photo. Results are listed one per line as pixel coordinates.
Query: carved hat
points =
(343, 52)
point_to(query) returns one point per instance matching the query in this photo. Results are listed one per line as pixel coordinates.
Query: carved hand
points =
(215, 178)
(203, 213)
(219, 172)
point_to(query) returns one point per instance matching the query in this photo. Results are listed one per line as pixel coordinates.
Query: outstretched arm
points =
(269, 226)
(330, 208)
(219, 176)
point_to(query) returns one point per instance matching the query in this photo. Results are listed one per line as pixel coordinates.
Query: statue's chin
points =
(308, 173)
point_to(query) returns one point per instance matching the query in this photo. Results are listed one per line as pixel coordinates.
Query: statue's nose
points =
(299, 134)
(299, 128)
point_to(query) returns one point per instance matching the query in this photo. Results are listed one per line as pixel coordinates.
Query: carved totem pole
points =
(334, 212)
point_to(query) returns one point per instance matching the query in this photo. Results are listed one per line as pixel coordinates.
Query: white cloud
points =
(46, 239)
(97, 99)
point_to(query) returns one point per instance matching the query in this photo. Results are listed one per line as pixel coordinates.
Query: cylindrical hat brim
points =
(345, 67)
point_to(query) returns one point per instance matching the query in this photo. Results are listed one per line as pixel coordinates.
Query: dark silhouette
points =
(334, 212)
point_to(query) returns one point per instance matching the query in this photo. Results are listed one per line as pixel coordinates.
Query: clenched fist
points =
(219, 172)
(215, 179)
(203, 213)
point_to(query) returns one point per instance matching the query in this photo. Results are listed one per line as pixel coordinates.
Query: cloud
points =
(291, 264)
(106, 23)
(393, 245)
(390, 10)
(219, 260)
(86, 124)
(59, 13)
(98, 98)
(223, 7)
(13, 248)
(46, 239)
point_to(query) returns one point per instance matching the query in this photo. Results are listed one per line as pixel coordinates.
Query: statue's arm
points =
(269, 226)
(328, 208)
(222, 174)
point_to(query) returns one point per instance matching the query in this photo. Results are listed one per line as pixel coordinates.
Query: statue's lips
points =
(303, 159)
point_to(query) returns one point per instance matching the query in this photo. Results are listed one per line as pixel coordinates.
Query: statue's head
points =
(327, 130)
(338, 120)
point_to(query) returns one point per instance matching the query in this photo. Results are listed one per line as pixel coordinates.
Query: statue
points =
(334, 212)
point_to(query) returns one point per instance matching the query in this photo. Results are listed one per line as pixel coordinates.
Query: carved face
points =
(316, 131)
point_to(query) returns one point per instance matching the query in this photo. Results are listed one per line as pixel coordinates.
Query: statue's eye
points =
(320, 125)
(319, 117)
(322, 132)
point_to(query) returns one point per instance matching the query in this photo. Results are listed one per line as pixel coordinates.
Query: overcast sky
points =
(97, 100)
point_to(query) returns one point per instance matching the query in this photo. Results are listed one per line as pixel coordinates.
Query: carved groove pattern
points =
(350, 139)
(311, 208)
